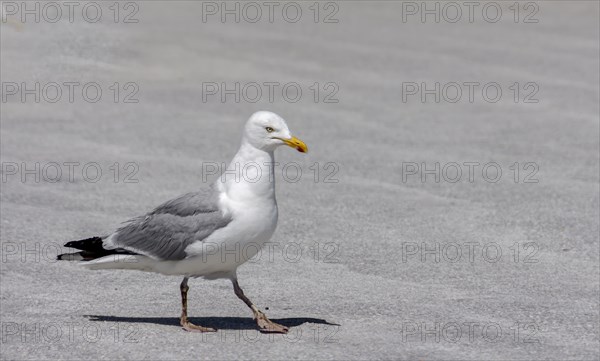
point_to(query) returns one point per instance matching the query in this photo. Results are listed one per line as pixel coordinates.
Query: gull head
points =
(267, 131)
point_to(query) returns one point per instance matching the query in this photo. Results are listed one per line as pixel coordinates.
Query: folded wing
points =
(168, 230)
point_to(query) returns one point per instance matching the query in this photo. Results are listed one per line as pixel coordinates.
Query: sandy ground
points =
(372, 258)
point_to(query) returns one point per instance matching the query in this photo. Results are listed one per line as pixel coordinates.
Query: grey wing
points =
(170, 228)
(204, 201)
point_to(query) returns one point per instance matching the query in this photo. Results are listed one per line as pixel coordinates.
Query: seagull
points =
(208, 233)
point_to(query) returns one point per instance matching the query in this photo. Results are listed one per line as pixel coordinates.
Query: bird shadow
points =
(223, 323)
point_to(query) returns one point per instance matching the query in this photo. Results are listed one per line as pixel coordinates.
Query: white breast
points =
(250, 202)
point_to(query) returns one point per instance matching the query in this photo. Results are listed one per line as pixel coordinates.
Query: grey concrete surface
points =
(365, 268)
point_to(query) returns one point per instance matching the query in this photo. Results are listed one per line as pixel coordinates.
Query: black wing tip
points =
(85, 244)
(89, 249)
(77, 256)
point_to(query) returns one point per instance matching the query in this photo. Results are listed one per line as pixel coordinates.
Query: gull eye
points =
(269, 129)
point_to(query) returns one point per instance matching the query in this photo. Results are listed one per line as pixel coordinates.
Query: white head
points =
(266, 131)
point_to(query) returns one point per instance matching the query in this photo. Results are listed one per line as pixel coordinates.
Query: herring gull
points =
(193, 234)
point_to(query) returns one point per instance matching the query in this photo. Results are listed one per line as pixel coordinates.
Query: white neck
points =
(250, 175)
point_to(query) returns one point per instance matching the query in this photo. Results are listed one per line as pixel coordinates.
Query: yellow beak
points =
(296, 143)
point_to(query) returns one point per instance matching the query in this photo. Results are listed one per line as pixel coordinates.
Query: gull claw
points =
(267, 326)
(190, 327)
